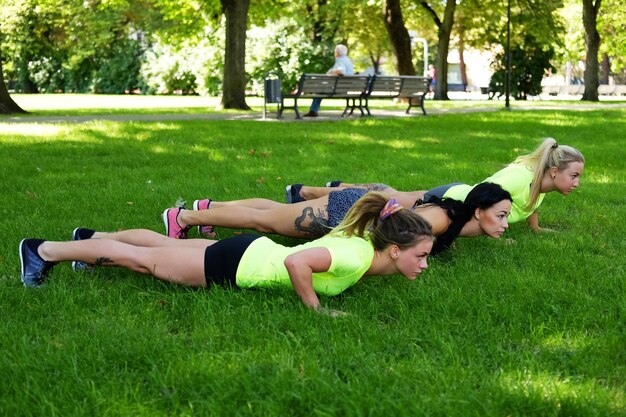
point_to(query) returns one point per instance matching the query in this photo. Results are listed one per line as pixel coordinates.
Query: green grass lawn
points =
(528, 325)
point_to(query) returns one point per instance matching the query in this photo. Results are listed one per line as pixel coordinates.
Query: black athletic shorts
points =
(221, 259)
(438, 192)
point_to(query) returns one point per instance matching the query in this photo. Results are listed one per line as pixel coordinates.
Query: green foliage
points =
(194, 67)
(612, 28)
(283, 48)
(529, 63)
(118, 70)
(528, 325)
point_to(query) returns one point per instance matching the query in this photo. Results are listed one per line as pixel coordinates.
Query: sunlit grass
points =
(78, 105)
(527, 325)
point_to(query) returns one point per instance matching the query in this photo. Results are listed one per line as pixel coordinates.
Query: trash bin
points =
(272, 90)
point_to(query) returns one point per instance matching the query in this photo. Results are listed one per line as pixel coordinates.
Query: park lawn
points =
(528, 325)
(55, 105)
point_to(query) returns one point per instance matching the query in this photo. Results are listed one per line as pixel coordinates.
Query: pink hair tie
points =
(390, 208)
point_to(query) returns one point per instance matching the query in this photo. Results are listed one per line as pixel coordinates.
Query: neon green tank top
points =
(515, 179)
(263, 264)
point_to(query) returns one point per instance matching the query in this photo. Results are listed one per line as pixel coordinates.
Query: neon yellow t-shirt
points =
(515, 179)
(263, 264)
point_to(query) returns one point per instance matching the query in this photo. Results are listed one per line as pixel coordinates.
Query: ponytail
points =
(385, 222)
(548, 155)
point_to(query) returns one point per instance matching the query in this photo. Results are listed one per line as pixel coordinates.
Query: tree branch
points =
(432, 12)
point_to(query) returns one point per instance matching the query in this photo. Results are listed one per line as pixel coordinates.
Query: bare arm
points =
(533, 222)
(301, 266)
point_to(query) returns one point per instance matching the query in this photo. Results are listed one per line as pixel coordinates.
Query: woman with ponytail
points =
(377, 237)
(551, 167)
(483, 213)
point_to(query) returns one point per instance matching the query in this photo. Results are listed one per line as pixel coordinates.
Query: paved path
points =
(327, 115)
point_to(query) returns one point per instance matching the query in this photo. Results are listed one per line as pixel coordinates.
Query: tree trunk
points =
(7, 105)
(234, 85)
(399, 37)
(605, 69)
(592, 45)
(444, 32)
(462, 65)
(375, 59)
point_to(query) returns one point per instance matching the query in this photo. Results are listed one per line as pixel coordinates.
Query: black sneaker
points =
(292, 193)
(34, 268)
(333, 184)
(82, 234)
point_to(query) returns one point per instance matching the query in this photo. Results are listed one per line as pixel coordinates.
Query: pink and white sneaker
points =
(206, 231)
(172, 228)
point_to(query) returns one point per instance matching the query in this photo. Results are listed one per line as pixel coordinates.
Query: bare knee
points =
(261, 221)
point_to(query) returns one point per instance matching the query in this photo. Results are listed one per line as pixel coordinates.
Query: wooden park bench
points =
(412, 88)
(348, 87)
(357, 90)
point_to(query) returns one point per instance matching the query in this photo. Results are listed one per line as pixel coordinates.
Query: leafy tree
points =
(612, 26)
(234, 94)
(368, 34)
(118, 70)
(592, 46)
(284, 47)
(399, 37)
(444, 28)
(530, 60)
(7, 105)
(64, 45)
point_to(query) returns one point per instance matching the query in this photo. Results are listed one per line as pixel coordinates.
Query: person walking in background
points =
(432, 74)
(343, 66)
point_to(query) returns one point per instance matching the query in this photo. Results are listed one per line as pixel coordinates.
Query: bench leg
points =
(366, 107)
(281, 108)
(295, 108)
(345, 110)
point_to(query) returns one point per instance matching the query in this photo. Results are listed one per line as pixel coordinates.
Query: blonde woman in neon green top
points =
(377, 237)
(551, 167)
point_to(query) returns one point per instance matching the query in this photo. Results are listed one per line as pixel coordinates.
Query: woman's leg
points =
(177, 262)
(307, 219)
(151, 239)
(311, 193)
(257, 203)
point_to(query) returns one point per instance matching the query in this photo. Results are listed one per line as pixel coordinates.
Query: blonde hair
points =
(548, 155)
(404, 228)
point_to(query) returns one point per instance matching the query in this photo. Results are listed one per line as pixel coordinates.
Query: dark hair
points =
(404, 228)
(482, 196)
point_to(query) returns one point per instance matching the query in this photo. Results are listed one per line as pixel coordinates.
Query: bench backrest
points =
(385, 86)
(351, 85)
(316, 84)
(414, 86)
(333, 85)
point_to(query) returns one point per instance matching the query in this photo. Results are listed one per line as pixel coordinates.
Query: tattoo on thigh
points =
(103, 261)
(312, 223)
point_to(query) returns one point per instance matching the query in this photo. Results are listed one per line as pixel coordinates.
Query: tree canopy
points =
(226, 47)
